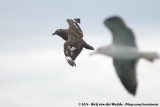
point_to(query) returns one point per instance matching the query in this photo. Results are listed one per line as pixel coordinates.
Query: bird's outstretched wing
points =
(126, 70)
(122, 35)
(71, 51)
(74, 28)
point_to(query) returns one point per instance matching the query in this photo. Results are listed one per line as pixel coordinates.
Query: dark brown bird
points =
(74, 42)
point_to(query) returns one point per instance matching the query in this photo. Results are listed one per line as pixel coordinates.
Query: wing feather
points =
(126, 71)
(122, 35)
(74, 29)
(71, 51)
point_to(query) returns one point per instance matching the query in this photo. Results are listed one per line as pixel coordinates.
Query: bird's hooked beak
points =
(54, 33)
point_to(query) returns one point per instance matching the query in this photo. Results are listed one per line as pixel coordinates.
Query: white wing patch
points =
(68, 58)
(71, 48)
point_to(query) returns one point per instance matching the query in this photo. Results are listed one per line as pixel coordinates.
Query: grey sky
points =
(40, 17)
(33, 69)
(24, 19)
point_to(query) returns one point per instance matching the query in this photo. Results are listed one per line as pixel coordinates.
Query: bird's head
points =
(57, 32)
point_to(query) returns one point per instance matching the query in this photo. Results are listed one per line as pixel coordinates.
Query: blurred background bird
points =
(124, 52)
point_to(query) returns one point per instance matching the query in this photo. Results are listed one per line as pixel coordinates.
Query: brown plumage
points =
(74, 42)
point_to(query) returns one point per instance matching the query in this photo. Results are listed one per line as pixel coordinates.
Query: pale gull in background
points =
(124, 52)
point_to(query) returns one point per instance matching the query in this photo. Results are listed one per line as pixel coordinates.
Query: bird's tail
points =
(85, 45)
(150, 56)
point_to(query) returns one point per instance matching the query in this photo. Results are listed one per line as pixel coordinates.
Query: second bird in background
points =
(124, 52)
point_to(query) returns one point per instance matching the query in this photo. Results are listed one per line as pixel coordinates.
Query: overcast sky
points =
(33, 69)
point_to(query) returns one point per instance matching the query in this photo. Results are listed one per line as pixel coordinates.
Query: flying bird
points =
(124, 52)
(74, 40)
